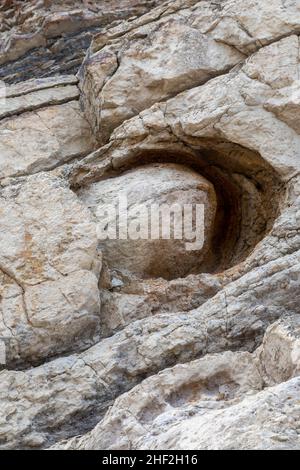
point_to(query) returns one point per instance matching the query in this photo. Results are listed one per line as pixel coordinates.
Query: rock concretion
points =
(141, 346)
(155, 210)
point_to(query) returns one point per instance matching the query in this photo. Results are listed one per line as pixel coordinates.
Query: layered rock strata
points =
(148, 348)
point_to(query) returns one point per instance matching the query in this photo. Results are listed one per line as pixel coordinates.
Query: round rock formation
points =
(158, 220)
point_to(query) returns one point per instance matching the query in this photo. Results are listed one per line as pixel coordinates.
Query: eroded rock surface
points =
(175, 48)
(217, 402)
(50, 268)
(45, 38)
(140, 344)
(41, 126)
(166, 189)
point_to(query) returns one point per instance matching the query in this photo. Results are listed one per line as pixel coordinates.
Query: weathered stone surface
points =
(141, 209)
(279, 353)
(174, 48)
(44, 38)
(50, 301)
(285, 105)
(45, 97)
(208, 360)
(217, 402)
(140, 299)
(42, 139)
(233, 319)
(214, 382)
(37, 84)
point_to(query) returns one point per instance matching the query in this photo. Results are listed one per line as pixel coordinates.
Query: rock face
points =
(43, 37)
(140, 343)
(217, 402)
(35, 126)
(50, 269)
(173, 49)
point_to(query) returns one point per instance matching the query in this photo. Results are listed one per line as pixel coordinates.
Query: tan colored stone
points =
(134, 195)
(174, 48)
(48, 258)
(118, 358)
(43, 139)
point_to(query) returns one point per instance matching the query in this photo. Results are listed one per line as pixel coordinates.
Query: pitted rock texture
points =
(145, 345)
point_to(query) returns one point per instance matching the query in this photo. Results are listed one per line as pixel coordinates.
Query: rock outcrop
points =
(142, 344)
(35, 126)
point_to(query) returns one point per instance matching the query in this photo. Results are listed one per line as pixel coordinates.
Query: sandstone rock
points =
(33, 85)
(233, 319)
(170, 56)
(212, 383)
(41, 139)
(140, 210)
(44, 97)
(285, 105)
(279, 353)
(48, 258)
(213, 403)
(140, 299)
(118, 355)
(44, 38)
(252, 424)
(174, 48)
